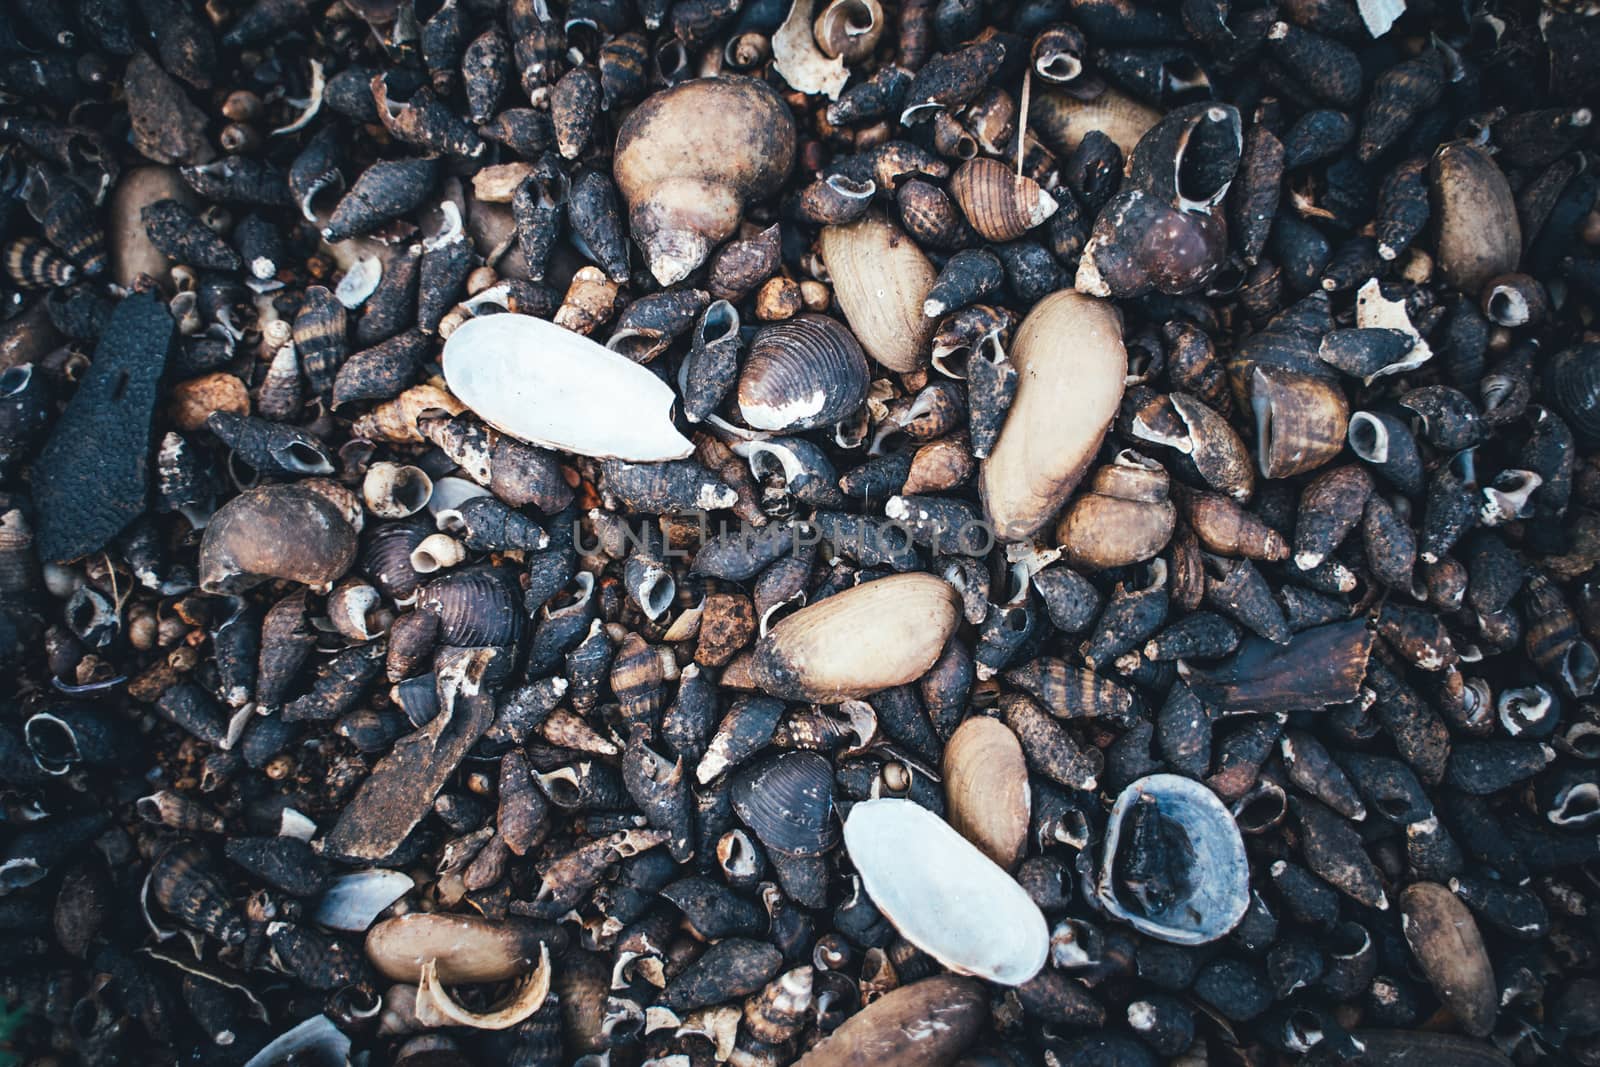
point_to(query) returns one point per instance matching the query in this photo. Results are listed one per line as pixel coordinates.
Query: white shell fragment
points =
(943, 895)
(359, 282)
(796, 56)
(355, 900)
(1376, 311)
(1380, 15)
(1218, 890)
(549, 386)
(436, 1007)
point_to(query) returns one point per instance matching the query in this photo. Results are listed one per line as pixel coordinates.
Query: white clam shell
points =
(943, 895)
(549, 386)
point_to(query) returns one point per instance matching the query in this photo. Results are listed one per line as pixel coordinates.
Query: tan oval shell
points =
(943, 895)
(925, 1024)
(1476, 217)
(468, 948)
(276, 531)
(1445, 939)
(805, 372)
(999, 204)
(885, 633)
(1062, 121)
(1070, 365)
(881, 279)
(986, 789)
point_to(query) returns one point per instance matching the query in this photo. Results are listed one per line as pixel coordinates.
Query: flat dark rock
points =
(93, 476)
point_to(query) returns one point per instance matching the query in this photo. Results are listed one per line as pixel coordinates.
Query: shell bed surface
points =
(680, 533)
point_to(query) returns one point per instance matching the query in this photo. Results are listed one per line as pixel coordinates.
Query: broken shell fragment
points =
(884, 633)
(1174, 862)
(924, 1024)
(943, 895)
(542, 384)
(463, 948)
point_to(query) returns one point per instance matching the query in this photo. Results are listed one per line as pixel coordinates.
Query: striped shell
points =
(808, 371)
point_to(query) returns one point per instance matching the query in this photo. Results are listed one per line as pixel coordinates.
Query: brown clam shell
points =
(276, 531)
(885, 633)
(1071, 365)
(467, 948)
(947, 1011)
(1444, 937)
(805, 372)
(788, 802)
(986, 789)
(881, 278)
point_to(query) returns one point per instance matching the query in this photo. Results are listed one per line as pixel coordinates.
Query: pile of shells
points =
(697, 532)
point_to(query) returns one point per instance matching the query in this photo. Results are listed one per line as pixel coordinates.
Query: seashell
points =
(377, 373)
(1125, 517)
(805, 372)
(33, 264)
(590, 302)
(1062, 120)
(849, 29)
(836, 199)
(733, 967)
(788, 802)
(712, 364)
(690, 158)
(182, 236)
(1572, 382)
(1399, 96)
(1476, 216)
(879, 1033)
(1301, 421)
(479, 606)
(66, 218)
(1445, 941)
(931, 217)
(922, 875)
(537, 382)
(967, 278)
(947, 81)
(352, 901)
(1058, 52)
(485, 524)
(739, 266)
(986, 789)
(651, 323)
(1000, 205)
(463, 948)
(1043, 451)
(186, 889)
(316, 1038)
(882, 281)
(874, 636)
(270, 447)
(275, 531)
(386, 190)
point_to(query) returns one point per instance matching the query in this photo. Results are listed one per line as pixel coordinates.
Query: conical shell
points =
(788, 802)
(547, 386)
(1000, 205)
(881, 278)
(986, 789)
(884, 633)
(1445, 939)
(1071, 362)
(805, 372)
(943, 895)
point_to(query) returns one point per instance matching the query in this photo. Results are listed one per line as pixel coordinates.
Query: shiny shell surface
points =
(943, 895)
(788, 802)
(808, 371)
(1213, 889)
(548, 386)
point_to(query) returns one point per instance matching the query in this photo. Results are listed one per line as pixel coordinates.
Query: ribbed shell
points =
(475, 607)
(386, 559)
(1572, 382)
(1000, 205)
(788, 802)
(808, 371)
